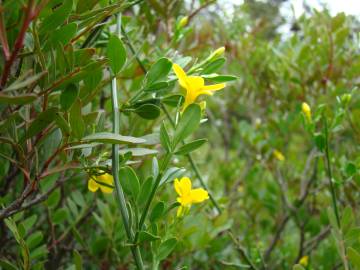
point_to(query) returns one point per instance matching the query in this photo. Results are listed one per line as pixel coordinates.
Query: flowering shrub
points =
(119, 151)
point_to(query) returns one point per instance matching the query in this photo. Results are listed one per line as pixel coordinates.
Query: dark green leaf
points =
(165, 138)
(148, 111)
(158, 71)
(145, 190)
(76, 120)
(173, 100)
(188, 123)
(43, 120)
(156, 86)
(157, 211)
(147, 237)
(60, 14)
(68, 96)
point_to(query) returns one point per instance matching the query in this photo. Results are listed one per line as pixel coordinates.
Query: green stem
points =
(115, 170)
(329, 172)
(194, 167)
(189, 157)
(145, 212)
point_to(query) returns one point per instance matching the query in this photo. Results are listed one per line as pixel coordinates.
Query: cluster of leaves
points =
(282, 185)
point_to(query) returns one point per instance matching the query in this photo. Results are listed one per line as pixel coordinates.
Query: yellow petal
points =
(214, 87)
(183, 186)
(199, 195)
(106, 178)
(106, 189)
(195, 83)
(180, 73)
(92, 185)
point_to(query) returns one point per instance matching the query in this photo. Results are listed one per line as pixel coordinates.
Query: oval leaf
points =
(107, 137)
(116, 53)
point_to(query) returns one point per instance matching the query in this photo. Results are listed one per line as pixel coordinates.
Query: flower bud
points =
(183, 21)
(278, 155)
(306, 110)
(304, 261)
(345, 99)
(216, 54)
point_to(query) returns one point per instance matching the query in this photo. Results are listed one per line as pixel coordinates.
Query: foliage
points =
(94, 98)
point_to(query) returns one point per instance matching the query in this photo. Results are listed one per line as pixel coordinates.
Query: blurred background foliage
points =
(264, 162)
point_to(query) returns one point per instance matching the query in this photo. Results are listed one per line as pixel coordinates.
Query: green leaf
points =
(171, 174)
(158, 71)
(130, 181)
(165, 138)
(214, 66)
(34, 239)
(157, 211)
(166, 248)
(145, 191)
(350, 169)
(20, 83)
(220, 78)
(320, 141)
(6, 265)
(62, 124)
(156, 87)
(107, 137)
(188, 123)
(173, 100)
(189, 147)
(77, 260)
(148, 111)
(51, 22)
(68, 96)
(29, 222)
(18, 99)
(76, 120)
(147, 237)
(43, 120)
(116, 53)
(138, 152)
(62, 35)
(60, 215)
(347, 219)
(354, 257)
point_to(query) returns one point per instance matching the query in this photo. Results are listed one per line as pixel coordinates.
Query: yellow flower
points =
(104, 181)
(188, 196)
(194, 86)
(304, 261)
(279, 155)
(306, 110)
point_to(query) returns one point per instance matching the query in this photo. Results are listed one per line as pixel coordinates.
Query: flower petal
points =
(180, 73)
(214, 87)
(185, 186)
(199, 195)
(106, 178)
(106, 189)
(196, 83)
(92, 185)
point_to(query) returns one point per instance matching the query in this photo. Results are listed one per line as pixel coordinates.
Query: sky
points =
(335, 6)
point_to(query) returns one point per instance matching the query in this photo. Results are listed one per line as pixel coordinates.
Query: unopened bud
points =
(306, 110)
(184, 21)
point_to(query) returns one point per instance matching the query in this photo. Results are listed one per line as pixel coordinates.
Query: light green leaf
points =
(138, 152)
(147, 237)
(129, 181)
(107, 137)
(157, 211)
(116, 53)
(76, 120)
(189, 147)
(166, 248)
